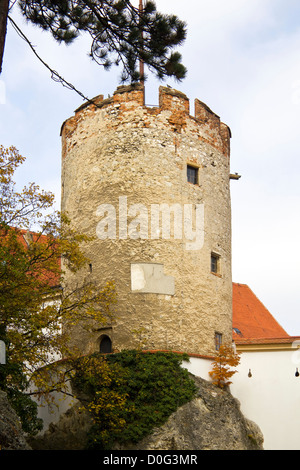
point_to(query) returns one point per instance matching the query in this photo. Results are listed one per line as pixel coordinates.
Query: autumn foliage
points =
(222, 366)
(37, 307)
(37, 247)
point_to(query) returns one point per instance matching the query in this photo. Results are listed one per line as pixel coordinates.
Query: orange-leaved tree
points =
(222, 366)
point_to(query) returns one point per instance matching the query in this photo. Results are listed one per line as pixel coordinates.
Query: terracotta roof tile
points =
(250, 318)
(25, 237)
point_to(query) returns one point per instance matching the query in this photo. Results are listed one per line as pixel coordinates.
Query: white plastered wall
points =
(271, 397)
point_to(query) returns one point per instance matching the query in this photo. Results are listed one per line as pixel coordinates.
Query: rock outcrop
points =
(11, 434)
(211, 421)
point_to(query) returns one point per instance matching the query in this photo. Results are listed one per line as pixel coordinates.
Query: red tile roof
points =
(251, 321)
(25, 237)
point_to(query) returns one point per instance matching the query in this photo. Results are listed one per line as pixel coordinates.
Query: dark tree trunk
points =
(4, 5)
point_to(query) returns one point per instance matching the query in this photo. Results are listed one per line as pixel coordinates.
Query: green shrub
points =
(132, 392)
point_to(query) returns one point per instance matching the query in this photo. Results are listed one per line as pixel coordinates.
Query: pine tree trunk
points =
(4, 5)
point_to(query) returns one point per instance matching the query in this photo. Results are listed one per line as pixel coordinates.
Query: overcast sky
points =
(243, 60)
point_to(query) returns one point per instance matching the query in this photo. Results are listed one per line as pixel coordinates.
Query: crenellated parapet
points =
(173, 111)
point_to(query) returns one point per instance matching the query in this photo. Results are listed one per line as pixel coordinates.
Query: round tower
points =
(151, 185)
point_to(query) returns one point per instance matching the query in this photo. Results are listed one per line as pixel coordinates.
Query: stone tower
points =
(151, 185)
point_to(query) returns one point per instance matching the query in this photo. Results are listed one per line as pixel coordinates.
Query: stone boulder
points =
(11, 434)
(211, 421)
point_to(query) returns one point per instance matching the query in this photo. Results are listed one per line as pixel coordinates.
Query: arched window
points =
(105, 344)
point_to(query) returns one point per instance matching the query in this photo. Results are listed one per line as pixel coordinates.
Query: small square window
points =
(215, 263)
(237, 331)
(192, 174)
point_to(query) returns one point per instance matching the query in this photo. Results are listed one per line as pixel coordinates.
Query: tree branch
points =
(4, 6)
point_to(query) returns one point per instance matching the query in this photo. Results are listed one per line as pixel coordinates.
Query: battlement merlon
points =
(169, 100)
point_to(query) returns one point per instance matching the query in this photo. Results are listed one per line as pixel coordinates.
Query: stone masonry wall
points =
(122, 153)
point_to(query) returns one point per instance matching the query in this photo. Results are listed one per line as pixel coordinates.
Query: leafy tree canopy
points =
(35, 302)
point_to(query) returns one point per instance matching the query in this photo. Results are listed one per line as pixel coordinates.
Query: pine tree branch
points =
(4, 6)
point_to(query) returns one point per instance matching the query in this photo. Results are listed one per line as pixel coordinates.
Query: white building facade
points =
(267, 386)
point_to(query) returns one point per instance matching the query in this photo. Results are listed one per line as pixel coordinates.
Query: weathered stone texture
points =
(11, 435)
(121, 148)
(211, 421)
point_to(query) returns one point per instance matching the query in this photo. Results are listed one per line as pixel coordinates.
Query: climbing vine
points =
(130, 393)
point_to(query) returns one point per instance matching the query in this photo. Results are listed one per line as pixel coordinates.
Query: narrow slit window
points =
(218, 341)
(215, 263)
(192, 174)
